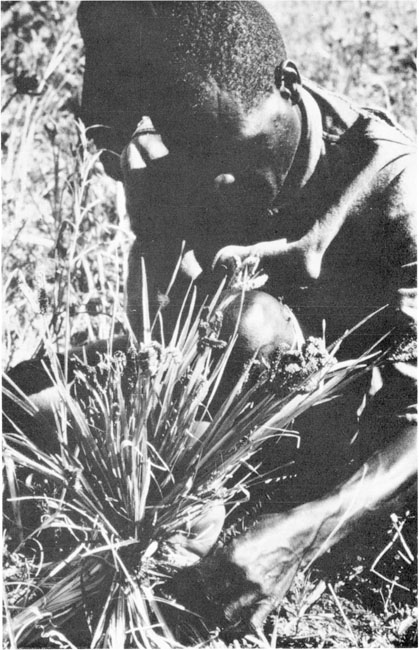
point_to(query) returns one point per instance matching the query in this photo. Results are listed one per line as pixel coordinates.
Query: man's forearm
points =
(304, 533)
(377, 480)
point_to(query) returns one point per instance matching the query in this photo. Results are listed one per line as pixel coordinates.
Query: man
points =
(220, 144)
(234, 154)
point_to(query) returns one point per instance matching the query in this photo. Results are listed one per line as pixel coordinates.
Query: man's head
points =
(197, 48)
(183, 47)
(204, 72)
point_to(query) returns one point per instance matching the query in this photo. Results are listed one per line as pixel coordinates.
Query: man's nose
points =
(223, 180)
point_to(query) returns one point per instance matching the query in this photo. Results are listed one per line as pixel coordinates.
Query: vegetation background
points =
(66, 236)
(363, 49)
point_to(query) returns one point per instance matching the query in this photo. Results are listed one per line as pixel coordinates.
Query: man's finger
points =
(234, 610)
(268, 604)
(176, 553)
(132, 158)
(264, 608)
(227, 257)
(204, 530)
(152, 146)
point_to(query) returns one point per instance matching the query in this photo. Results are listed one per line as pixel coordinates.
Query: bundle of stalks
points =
(141, 457)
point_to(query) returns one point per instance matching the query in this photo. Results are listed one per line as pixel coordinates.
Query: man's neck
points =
(310, 149)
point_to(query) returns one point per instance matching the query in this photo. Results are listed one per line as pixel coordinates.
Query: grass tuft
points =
(139, 459)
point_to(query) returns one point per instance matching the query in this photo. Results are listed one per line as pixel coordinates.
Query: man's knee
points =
(264, 324)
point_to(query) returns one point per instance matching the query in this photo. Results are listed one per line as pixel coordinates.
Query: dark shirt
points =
(358, 183)
(359, 174)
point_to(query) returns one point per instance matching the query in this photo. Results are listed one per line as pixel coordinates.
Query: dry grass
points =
(65, 239)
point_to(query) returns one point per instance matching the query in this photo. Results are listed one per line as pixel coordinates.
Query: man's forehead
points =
(220, 121)
(204, 117)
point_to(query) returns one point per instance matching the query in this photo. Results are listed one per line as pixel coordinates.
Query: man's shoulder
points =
(340, 114)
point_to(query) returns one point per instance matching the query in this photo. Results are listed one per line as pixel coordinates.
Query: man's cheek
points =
(240, 202)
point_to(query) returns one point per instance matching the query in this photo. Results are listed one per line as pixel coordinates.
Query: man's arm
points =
(247, 579)
(155, 227)
(281, 544)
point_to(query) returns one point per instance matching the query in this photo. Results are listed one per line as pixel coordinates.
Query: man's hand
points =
(228, 258)
(242, 583)
(188, 547)
(237, 586)
(268, 557)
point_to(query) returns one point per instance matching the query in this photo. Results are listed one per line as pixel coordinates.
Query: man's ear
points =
(288, 81)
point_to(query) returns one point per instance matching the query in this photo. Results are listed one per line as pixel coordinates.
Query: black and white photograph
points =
(209, 324)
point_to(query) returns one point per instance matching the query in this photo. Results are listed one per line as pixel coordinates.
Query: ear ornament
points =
(288, 80)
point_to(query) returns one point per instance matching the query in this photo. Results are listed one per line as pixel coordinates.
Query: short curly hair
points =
(234, 44)
(137, 51)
